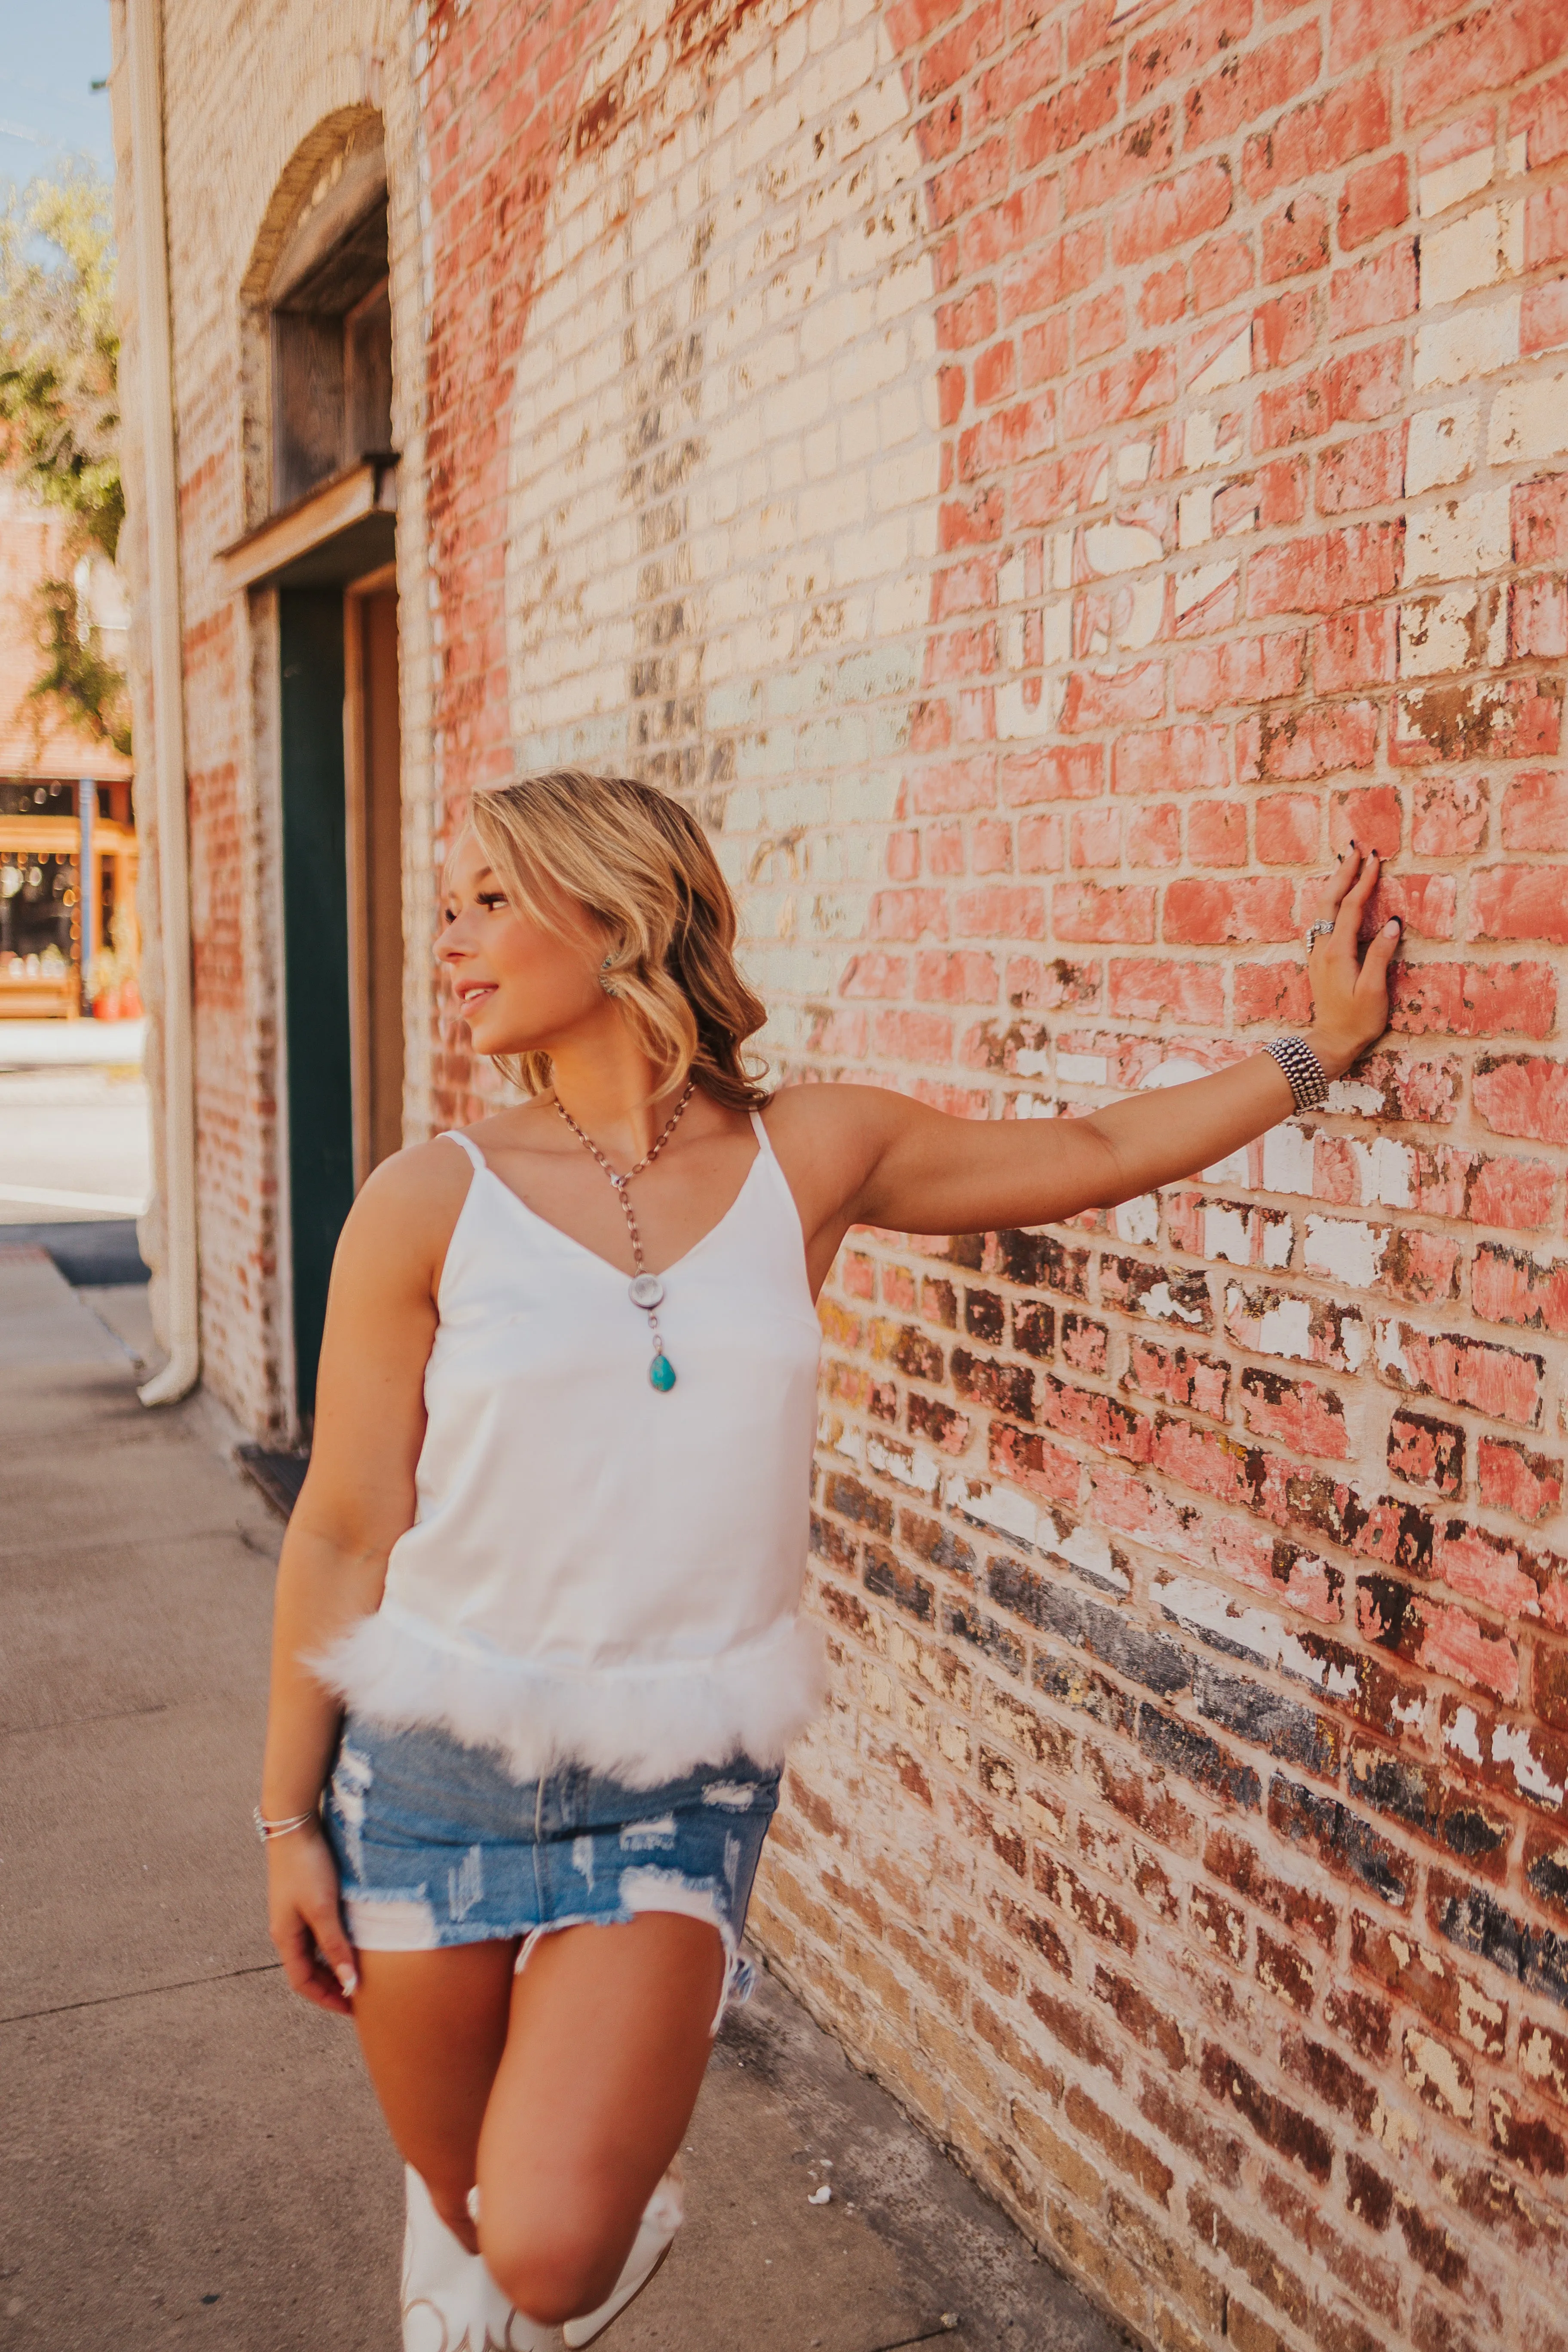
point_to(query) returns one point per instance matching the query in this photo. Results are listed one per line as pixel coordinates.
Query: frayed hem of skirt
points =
(387, 1933)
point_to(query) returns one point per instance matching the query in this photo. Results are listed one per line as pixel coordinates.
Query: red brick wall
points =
(498, 85)
(1186, 1839)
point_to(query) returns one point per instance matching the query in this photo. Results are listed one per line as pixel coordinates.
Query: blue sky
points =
(50, 52)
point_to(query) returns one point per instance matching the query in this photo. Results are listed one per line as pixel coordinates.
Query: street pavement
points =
(73, 1121)
(66, 1045)
(190, 2157)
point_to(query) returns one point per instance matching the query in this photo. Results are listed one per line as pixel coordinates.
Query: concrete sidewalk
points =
(192, 2157)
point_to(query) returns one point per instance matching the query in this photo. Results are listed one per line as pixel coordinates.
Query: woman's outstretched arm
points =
(915, 1170)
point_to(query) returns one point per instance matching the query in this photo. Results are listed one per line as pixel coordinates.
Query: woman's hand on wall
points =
(860, 1155)
(1349, 988)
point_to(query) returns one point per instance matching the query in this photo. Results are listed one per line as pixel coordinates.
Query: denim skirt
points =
(435, 1844)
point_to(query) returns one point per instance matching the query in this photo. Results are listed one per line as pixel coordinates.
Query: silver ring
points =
(1321, 928)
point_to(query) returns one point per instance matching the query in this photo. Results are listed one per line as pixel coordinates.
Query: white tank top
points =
(599, 1572)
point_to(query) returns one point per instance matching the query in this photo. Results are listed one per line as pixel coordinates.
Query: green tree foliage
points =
(59, 417)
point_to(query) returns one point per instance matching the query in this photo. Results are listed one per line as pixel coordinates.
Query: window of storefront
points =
(50, 937)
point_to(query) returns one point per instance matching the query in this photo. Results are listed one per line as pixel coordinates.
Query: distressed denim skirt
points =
(437, 1844)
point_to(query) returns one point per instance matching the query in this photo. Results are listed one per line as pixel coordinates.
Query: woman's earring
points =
(607, 985)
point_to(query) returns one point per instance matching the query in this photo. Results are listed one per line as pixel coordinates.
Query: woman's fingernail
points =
(1393, 924)
(348, 1981)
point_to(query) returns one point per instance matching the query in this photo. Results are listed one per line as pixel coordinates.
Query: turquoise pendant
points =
(661, 1371)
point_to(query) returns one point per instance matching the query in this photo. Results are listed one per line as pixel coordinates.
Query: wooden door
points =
(373, 747)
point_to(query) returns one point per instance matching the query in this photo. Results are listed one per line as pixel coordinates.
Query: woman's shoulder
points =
(433, 1172)
(823, 1113)
(827, 1139)
(404, 1212)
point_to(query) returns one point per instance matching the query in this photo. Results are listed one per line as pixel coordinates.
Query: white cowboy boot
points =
(450, 2303)
(503, 2327)
(662, 2216)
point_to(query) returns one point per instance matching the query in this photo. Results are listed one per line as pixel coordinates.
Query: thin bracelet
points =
(266, 1831)
(1308, 1079)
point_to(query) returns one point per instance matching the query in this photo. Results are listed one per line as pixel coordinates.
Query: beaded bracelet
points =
(266, 1831)
(1307, 1078)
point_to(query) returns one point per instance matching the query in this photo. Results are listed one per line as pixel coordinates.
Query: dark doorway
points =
(315, 958)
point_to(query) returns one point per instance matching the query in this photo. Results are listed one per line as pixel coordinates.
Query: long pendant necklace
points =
(647, 1290)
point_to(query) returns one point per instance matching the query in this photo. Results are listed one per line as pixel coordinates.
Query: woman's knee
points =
(552, 2271)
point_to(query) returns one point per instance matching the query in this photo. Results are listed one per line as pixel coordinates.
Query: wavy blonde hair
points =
(641, 866)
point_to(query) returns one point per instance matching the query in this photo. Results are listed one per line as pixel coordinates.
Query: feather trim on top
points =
(642, 1724)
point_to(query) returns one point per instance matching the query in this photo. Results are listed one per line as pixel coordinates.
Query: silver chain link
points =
(624, 1197)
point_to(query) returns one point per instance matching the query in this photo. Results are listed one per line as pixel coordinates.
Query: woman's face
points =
(520, 988)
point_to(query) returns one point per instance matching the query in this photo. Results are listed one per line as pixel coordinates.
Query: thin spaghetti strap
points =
(760, 1133)
(452, 1135)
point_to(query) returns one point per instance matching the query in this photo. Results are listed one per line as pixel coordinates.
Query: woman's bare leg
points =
(433, 2026)
(611, 2031)
(565, 2092)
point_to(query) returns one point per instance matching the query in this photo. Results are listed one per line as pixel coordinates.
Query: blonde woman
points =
(539, 1653)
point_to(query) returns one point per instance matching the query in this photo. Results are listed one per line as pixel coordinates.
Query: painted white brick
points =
(1486, 246)
(899, 606)
(1443, 444)
(1459, 537)
(839, 505)
(862, 436)
(823, 26)
(1227, 1233)
(899, 416)
(1138, 1221)
(1385, 1167)
(1209, 438)
(873, 362)
(1002, 1508)
(1232, 364)
(1286, 1160)
(903, 290)
(1465, 630)
(1254, 1632)
(820, 452)
(1112, 547)
(879, 109)
(1057, 629)
(1529, 420)
(1205, 580)
(900, 484)
(1346, 1248)
(1471, 344)
(1195, 515)
(1450, 183)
